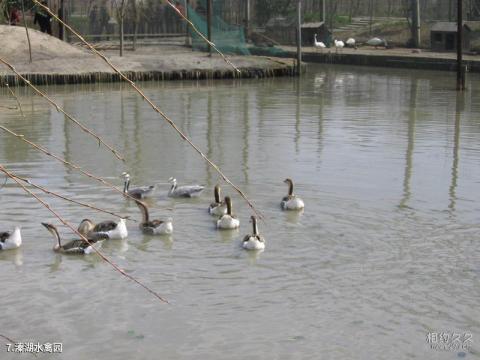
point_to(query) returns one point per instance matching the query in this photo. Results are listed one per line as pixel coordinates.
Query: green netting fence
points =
(229, 39)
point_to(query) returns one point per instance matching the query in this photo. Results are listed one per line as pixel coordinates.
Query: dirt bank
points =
(55, 61)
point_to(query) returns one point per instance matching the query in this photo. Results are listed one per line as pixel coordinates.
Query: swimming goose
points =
(228, 221)
(291, 202)
(10, 240)
(254, 241)
(138, 193)
(218, 207)
(112, 229)
(78, 246)
(153, 227)
(183, 191)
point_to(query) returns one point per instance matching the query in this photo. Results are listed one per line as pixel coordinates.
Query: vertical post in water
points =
(209, 24)
(299, 36)
(416, 23)
(460, 70)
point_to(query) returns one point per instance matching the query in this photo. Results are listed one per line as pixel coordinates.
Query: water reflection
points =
(459, 107)
(412, 118)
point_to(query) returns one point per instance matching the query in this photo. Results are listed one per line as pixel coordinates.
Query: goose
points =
(318, 44)
(228, 221)
(351, 43)
(10, 239)
(78, 246)
(153, 227)
(377, 42)
(183, 191)
(253, 241)
(291, 202)
(218, 207)
(339, 44)
(141, 192)
(111, 229)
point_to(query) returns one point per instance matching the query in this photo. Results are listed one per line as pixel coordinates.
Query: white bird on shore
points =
(318, 44)
(138, 193)
(254, 241)
(114, 230)
(153, 227)
(351, 43)
(218, 207)
(291, 201)
(377, 42)
(10, 240)
(80, 246)
(228, 221)
(183, 191)
(339, 44)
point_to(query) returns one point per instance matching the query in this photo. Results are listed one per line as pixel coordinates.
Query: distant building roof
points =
(312, 25)
(446, 26)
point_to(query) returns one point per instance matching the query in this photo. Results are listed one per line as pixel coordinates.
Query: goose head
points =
(216, 192)
(253, 220)
(290, 185)
(228, 201)
(52, 229)
(173, 181)
(85, 226)
(126, 178)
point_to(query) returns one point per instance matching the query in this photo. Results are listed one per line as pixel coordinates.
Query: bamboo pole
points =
(209, 26)
(156, 108)
(64, 222)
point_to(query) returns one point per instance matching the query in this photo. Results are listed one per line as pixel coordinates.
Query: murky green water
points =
(387, 162)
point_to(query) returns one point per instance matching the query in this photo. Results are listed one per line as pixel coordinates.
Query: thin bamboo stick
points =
(15, 97)
(66, 223)
(65, 162)
(49, 192)
(154, 107)
(60, 109)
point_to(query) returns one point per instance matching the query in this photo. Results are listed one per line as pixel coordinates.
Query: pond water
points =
(385, 253)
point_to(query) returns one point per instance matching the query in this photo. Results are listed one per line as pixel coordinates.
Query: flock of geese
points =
(118, 229)
(350, 42)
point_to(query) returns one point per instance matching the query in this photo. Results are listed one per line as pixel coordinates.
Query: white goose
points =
(377, 42)
(183, 191)
(228, 221)
(80, 246)
(10, 240)
(141, 192)
(351, 43)
(318, 44)
(339, 44)
(218, 207)
(114, 230)
(254, 241)
(153, 227)
(291, 201)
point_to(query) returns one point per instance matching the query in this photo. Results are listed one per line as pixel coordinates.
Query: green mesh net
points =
(227, 38)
